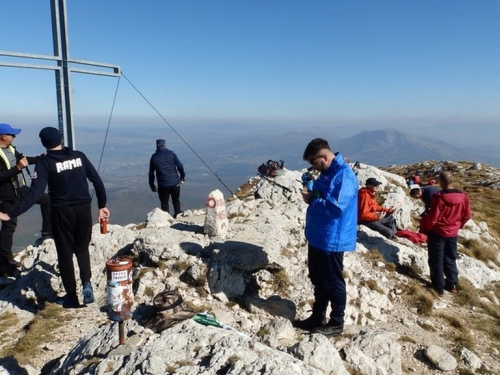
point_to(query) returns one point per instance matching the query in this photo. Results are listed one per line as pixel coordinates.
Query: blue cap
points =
(7, 129)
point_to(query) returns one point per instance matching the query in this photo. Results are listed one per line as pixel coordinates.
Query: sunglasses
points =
(313, 160)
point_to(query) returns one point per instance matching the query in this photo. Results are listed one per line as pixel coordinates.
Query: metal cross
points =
(62, 70)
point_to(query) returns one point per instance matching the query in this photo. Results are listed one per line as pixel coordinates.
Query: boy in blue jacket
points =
(331, 230)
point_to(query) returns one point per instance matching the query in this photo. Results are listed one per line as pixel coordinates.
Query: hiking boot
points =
(308, 324)
(329, 329)
(451, 289)
(14, 263)
(68, 301)
(88, 293)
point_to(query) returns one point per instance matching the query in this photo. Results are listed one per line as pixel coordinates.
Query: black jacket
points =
(66, 173)
(167, 166)
(8, 177)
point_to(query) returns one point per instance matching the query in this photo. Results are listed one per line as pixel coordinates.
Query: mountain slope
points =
(390, 146)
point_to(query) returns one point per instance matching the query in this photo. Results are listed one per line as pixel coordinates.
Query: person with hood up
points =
(66, 171)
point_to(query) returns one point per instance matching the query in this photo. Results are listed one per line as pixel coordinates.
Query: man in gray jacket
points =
(169, 174)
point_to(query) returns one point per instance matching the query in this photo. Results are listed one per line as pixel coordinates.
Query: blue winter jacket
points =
(332, 216)
(167, 166)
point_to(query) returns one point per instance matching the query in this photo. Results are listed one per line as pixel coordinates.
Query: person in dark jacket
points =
(66, 171)
(12, 188)
(169, 174)
(331, 230)
(425, 193)
(449, 211)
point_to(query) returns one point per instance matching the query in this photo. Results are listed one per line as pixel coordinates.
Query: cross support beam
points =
(62, 69)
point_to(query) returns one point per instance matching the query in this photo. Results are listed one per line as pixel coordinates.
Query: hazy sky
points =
(332, 62)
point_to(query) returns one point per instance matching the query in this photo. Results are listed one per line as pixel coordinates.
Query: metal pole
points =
(63, 83)
(121, 333)
(62, 71)
(56, 42)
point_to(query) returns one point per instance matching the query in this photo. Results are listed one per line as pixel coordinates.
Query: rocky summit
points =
(234, 295)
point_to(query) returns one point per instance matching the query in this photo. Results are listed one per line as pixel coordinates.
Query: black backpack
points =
(271, 168)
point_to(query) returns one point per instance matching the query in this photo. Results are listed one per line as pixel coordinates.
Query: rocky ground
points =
(258, 297)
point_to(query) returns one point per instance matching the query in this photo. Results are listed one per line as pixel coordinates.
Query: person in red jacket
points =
(449, 211)
(371, 214)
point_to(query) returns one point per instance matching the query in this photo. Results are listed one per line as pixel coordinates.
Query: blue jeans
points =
(442, 261)
(325, 271)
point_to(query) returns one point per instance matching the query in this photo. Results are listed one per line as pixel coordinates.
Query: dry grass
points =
(372, 285)
(484, 205)
(480, 251)
(374, 256)
(461, 333)
(281, 282)
(409, 339)
(7, 320)
(412, 270)
(487, 315)
(247, 189)
(180, 266)
(418, 297)
(43, 328)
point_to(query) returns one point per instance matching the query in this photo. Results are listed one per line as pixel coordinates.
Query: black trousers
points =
(442, 261)
(9, 227)
(44, 203)
(325, 272)
(7, 231)
(170, 191)
(72, 231)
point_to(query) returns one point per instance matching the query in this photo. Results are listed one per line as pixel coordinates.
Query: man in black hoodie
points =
(66, 171)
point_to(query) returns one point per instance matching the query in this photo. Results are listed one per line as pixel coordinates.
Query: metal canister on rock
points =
(120, 295)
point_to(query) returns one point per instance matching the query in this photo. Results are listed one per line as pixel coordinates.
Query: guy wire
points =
(177, 133)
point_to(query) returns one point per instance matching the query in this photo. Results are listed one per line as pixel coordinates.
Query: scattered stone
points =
(440, 358)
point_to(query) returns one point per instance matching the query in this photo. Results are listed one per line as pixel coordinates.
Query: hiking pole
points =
(277, 184)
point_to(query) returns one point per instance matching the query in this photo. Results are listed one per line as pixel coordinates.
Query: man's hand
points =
(4, 216)
(306, 195)
(103, 214)
(153, 189)
(382, 215)
(22, 163)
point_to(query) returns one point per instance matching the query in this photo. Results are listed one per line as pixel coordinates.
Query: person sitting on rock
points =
(371, 214)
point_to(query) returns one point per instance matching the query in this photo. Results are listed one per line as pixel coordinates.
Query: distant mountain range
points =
(390, 146)
(375, 147)
(234, 154)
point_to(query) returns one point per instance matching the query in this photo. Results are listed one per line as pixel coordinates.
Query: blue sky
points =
(263, 62)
